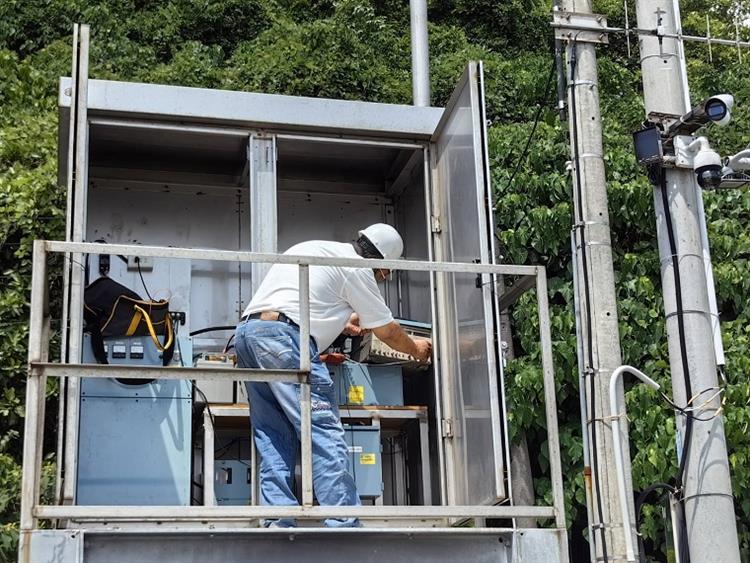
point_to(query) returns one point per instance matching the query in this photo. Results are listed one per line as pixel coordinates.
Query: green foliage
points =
(359, 49)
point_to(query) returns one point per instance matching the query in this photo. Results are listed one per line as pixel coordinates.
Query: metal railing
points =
(40, 368)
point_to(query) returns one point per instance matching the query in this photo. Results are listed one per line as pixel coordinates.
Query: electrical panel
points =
(232, 481)
(368, 384)
(365, 463)
(135, 436)
(374, 350)
(213, 391)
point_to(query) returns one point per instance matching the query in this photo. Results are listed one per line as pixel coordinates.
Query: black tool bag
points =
(113, 310)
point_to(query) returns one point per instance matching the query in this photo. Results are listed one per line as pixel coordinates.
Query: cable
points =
(680, 325)
(227, 346)
(540, 106)
(212, 329)
(660, 182)
(138, 263)
(638, 520)
(587, 294)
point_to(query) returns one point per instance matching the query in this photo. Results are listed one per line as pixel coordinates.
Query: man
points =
(341, 300)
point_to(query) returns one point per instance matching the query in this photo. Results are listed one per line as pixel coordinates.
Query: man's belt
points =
(270, 316)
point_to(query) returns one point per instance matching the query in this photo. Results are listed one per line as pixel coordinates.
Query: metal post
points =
(420, 53)
(35, 394)
(596, 299)
(550, 402)
(305, 399)
(78, 230)
(583, 403)
(708, 502)
(261, 155)
(613, 384)
(209, 498)
(62, 390)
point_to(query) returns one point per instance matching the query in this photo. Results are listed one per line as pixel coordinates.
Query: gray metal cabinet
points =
(190, 167)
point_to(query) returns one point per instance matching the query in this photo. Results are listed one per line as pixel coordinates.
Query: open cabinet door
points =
(76, 176)
(469, 359)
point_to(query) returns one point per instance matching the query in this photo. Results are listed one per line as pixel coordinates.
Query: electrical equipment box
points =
(245, 172)
(135, 437)
(365, 460)
(368, 384)
(232, 481)
(213, 391)
(372, 349)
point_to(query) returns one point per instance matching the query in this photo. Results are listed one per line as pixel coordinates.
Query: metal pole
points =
(707, 492)
(305, 399)
(596, 297)
(420, 53)
(75, 292)
(550, 401)
(613, 384)
(560, 72)
(209, 497)
(582, 396)
(35, 393)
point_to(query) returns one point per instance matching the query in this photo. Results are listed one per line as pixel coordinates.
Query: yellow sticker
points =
(356, 394)
(367, 459)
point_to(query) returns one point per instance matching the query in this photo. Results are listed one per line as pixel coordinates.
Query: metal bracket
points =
(661, 117)
(435, 220)
(683, 158)
(584, 28)
(447, 427)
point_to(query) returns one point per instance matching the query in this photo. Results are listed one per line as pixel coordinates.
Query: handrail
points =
(40, 368)
(301, 260)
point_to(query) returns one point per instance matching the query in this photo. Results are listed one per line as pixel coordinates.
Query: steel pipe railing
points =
(40, 369)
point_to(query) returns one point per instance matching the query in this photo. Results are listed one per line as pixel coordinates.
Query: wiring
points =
(587, 294)
(540, 107)
(212, 329)
(140, 273)
(680, 326)
(228, 346)
(640, 501)
(192, 382)
(658, 177)
(688, 410)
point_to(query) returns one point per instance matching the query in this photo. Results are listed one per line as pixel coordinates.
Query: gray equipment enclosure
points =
(208, 186)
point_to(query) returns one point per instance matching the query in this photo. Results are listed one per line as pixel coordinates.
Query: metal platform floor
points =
(311, 545)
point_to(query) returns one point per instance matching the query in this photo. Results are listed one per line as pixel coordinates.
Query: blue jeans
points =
(275, 417)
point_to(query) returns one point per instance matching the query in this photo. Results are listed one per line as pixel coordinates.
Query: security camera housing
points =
(716, 109)
(709, 177)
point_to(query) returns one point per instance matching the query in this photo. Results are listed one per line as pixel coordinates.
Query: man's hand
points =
(423, 350)
(395, 336)
(352, 327)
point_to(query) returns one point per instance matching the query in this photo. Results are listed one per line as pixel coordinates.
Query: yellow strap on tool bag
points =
(142, 313)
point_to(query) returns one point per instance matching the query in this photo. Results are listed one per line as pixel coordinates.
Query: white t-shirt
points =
(335, 292)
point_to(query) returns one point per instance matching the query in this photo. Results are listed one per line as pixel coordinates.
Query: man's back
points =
(335, 292)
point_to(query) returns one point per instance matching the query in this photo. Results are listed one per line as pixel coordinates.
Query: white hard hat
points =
(386, 239)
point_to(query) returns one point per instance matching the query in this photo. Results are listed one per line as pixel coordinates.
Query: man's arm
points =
(395, 336)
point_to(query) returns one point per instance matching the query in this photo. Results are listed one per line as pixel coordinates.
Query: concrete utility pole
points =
(600, 340)
(708, 502)
(420, 53)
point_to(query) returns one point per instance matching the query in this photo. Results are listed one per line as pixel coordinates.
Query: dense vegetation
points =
(359, 49)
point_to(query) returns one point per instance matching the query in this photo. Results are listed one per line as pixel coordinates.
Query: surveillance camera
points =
(709, 177)
(716, 109)
(719, 108)
(707, 165)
